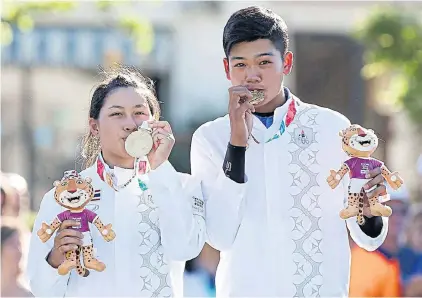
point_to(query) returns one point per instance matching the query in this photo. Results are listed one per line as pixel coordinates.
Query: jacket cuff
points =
(364, 241)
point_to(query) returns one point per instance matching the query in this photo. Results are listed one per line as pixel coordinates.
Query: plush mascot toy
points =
(73, 193)
(360, 143)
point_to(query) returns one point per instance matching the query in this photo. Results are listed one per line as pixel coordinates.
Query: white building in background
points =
(64, 51)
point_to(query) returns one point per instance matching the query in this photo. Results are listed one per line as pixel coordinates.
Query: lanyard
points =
(287, 120)
(139, 168)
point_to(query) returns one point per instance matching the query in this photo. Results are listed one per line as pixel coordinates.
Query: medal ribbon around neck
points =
(139, 168)
(287, 120)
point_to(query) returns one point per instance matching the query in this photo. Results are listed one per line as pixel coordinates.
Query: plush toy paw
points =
(349, 212)
(66, 267)
(379, 209)
(334, 179)
(394, 180)
(108, 233)
(94, 264)
(45, 232)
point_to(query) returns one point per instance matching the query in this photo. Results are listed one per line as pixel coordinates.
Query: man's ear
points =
(56, 183)
(93, 126)
(226, 68)
(288, 63)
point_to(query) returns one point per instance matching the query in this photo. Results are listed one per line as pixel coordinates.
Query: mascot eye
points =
(79, 181)
(64, 183)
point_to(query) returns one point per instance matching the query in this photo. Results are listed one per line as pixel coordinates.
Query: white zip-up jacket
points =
(156, 232)
(282, 236)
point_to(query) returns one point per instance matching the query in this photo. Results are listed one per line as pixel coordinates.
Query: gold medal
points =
(139, 143)
(258, 96)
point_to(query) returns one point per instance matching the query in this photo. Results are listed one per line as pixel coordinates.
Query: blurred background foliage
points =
(393, 47)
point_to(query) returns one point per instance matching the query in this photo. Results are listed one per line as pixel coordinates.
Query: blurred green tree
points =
(393, 45)
(21, 14)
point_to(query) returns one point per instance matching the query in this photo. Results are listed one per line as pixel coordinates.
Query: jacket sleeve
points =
(44, 280)
(223, 197)
(181, 213)
(363, 240)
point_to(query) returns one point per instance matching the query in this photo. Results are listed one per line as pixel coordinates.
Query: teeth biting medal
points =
(139, 143)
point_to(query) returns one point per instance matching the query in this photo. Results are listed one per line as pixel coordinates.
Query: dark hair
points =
(253, 23)
(7, 195)
(9, 227)
(121, 77)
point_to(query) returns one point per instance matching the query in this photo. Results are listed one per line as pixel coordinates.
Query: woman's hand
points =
(163, 139)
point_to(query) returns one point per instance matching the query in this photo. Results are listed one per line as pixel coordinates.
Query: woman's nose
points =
(130, 124)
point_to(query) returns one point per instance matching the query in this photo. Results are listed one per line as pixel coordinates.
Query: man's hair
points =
(253, 23)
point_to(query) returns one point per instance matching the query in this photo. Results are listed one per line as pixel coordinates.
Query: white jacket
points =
(283, 236)
(154, 237)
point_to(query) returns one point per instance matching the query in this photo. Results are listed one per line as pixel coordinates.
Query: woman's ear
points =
(93, 126)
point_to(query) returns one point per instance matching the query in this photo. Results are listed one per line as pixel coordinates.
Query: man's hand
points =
(377, 181)
(163, 139)
(240, 113)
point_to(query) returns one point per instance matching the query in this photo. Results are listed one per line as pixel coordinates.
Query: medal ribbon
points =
(140, 168)
(287, 120)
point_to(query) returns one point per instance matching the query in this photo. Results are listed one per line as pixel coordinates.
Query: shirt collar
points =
(279, 112)
(121, 174)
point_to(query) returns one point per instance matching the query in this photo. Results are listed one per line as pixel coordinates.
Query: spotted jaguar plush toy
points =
(74, 192)
(360, 143)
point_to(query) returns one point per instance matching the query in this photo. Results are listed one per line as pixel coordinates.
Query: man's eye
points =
(265, 62)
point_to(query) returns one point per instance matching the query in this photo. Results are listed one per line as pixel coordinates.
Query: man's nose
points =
(253, 75)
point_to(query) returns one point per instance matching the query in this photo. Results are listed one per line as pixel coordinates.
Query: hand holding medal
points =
(153, 139)
(241, 106)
